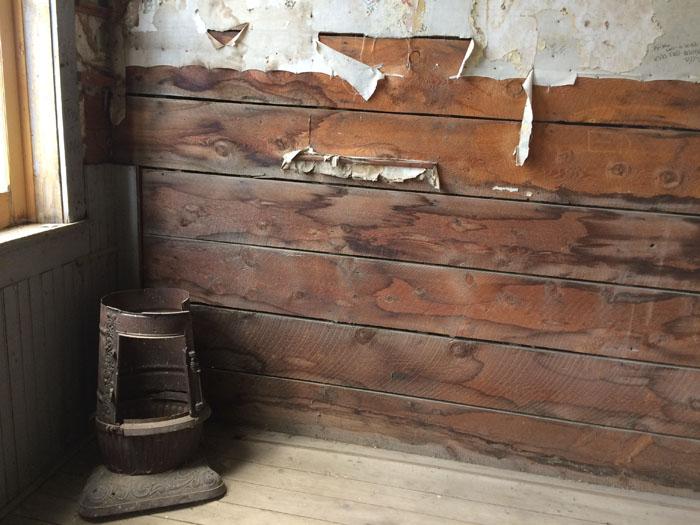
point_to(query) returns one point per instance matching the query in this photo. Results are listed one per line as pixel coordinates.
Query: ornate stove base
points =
(107, 493)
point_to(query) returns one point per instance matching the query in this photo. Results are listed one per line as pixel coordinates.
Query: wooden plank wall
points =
(553, 328)
(49, 305)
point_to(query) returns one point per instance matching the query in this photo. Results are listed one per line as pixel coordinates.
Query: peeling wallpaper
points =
(547, 42)
(562, 39)
(281, 34)
(557, 39)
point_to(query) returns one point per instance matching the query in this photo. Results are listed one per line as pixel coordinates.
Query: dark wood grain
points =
(424, 86)
(619, 247)
(585, 318)
(645, 169)
(537, 382)
(96, 128)
(574, 451)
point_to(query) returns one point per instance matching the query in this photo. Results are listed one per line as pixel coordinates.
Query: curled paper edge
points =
(359, 75)
(522, 150)
(467, 55)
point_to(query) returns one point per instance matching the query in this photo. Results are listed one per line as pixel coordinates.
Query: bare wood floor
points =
(280, 479)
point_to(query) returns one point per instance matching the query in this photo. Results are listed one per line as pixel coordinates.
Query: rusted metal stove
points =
(150, 408)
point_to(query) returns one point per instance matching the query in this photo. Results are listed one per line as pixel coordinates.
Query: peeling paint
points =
(360, 168)
(509, 189)
(101, 52)
(91, 42)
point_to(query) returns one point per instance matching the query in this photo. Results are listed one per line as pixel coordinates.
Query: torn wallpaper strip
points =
(360, 168)
(467, 55)
(522, 150)
(360, 76)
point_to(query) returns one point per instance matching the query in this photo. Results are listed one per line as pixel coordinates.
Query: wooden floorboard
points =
(290, 480)
(473, 485)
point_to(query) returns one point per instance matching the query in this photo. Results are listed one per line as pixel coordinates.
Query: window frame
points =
(16, 205)
(47, 61)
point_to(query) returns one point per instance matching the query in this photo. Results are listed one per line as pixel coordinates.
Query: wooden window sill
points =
(32, 249)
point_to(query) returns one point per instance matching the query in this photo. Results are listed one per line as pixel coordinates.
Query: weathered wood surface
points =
(97, 139)
(62, 41)
(586, 318)
(620, 167)
(567, 386)
(618, 247)
(425, 65)
(445, 478)
(9, 481)
(281, 479)
(18, 384)
(532, 444)
(49, 305)
(42, 250)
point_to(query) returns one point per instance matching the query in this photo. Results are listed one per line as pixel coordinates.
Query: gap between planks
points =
(431, 264)
(531, 348)
(331, 181)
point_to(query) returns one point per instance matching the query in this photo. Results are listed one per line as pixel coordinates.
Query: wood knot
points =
(364, 335)
(461, 349)
(222, 148)
(191, 213)
(398, 376)
(670, 179)
(514, 88)
(458, 224)
(619, 169)
(564, 157)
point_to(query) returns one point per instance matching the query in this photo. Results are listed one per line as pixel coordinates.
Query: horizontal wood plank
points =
(573, 451)
(585, 318)
(619, 247)
(419, 82)
(618, 167)
(538, 382)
